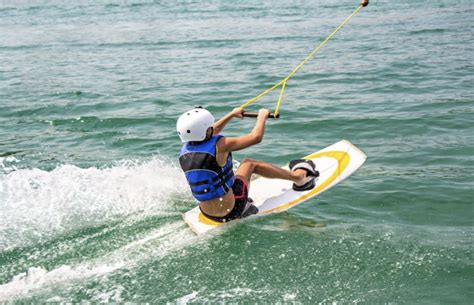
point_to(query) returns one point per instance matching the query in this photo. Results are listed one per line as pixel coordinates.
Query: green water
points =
(91, 198)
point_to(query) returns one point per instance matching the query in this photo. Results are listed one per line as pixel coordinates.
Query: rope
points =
(277, 109)
(286, 78)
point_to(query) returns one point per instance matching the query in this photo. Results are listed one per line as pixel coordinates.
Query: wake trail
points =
(157, 244)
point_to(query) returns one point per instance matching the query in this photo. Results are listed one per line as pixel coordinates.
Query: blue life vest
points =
(207, 179)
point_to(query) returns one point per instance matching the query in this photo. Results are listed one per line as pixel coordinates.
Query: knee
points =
(248, 161)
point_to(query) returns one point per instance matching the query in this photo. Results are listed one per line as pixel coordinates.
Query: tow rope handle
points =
(282, 83)
(271, 115)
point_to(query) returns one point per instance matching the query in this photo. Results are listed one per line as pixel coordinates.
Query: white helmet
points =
(193, 124)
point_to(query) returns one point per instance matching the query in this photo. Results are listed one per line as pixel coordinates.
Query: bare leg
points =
(267, 170)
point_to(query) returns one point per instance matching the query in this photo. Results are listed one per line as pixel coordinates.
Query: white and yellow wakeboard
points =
(334, 163)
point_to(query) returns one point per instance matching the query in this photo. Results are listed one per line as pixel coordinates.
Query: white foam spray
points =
(37, 205)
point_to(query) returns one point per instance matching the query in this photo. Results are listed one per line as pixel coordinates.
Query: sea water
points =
(91, 194)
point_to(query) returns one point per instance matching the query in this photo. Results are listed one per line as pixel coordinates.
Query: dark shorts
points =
(241, 195)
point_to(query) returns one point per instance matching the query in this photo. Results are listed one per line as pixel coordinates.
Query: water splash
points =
(7, 164)
(38, 205)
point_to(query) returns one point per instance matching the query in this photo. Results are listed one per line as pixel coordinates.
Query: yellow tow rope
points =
(283, 82)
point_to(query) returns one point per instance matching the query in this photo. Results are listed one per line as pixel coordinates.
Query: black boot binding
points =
(311, 174)
(250, 209)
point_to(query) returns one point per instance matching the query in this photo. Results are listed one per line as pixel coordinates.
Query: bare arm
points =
(254, 137)
(219, 125)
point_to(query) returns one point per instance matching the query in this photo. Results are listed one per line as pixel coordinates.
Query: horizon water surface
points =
(91, 196)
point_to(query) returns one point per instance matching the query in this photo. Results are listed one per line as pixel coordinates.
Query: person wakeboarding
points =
(206, 159)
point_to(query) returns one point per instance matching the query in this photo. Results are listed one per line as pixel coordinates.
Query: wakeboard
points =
(334, 163)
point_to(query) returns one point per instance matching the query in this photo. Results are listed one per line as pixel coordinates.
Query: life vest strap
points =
(222, 183)
(221, 176)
